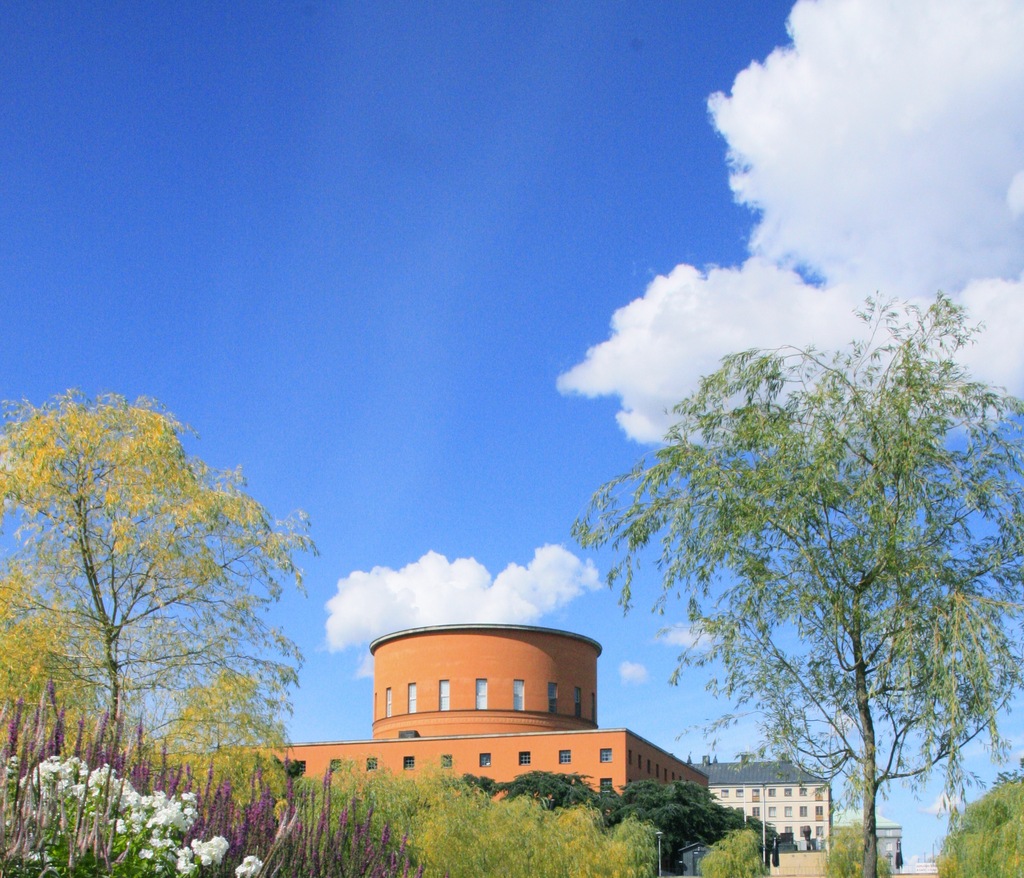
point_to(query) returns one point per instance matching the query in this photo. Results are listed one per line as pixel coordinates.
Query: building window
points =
(298, 766)
(755, 795)
(723, 794)
(606, 785)
(577, 702)
(788, 792)
(444, 695)
(771, 792)
(485, 760)
(629, 761)
(819, 812)
(446, 760)
(387, 702)
(788, 811)
(481, 694)
(788, 829)
(524, 757)
(739, 794)
(334, 766)
(771, 811)
(755, 812)
(803, 791)
(564, 757)
(412, 698)
(818, 831)
(371, 763)
(518, 694)
(408, 762)
(648, 766)
(606, 754)
(803, 810)
(552, 697)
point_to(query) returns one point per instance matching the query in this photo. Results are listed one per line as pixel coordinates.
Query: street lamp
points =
(659, 833)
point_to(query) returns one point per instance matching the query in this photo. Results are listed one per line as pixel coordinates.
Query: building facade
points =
(797, 804)
(495, 701)
(889, 832)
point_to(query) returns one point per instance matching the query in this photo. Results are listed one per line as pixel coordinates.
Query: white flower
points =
(249, 867)
(145, 854)
(184, 865)
(212, 851)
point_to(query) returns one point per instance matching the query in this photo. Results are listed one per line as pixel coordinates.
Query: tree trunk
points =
(869, 766)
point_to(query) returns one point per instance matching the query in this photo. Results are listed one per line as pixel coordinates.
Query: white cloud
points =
(632, 673)
(883, 153)
(365, 669)
(678, 635)
(436, 591)
(940, 805)
(1015, 195)
(879, 146)
(686, 321)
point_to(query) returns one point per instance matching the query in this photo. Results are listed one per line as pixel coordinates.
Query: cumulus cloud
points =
(632, 673)
(941, 804)
(436, 591)
(882, 151)
(663, 342)
(880, 145)
(678, 635)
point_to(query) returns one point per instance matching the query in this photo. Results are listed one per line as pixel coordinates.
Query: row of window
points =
(787, 811)
(657, 767)
(525, 759)
(518, 697)
(787, 792)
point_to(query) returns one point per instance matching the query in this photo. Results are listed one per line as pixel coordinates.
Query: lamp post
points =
(764, 830)
(659, 833)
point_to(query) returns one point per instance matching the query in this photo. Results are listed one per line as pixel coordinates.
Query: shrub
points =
(87, 803)
(738, 855)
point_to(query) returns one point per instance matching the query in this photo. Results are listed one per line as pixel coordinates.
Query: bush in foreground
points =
(79, 803)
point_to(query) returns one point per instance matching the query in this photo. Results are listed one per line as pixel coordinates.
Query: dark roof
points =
(724, 774)
(485, 627)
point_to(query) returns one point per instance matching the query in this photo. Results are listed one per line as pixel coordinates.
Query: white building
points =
(797, 804)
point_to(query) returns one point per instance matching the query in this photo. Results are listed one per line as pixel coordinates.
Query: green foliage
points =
(738, 855)
(988, 839)
(160, 569)
(845, 857)
(550, 789)
(684, 811)
(847, 531)
(462, 832)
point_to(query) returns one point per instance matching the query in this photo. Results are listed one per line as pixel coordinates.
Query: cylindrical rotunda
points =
(483, 679)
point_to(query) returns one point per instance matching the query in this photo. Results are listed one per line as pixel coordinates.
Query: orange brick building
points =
(496, 701)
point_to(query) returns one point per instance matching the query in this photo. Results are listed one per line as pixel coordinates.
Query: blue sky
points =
(434, 272)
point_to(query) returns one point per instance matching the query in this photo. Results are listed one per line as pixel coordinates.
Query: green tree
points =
(684, 811)
(460, 831)
(845, 857)
(846, 531)
(159, 567)
(551, 789)
(738, 855)
(988, 839)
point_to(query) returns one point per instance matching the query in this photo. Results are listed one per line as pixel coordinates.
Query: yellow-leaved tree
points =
(154, 569)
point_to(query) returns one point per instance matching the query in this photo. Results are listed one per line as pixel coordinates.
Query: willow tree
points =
(159, 568)
(846, 531)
